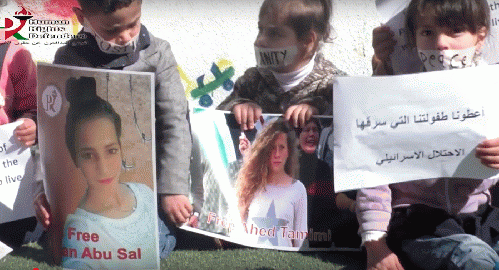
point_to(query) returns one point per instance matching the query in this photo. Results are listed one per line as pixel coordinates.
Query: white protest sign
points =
(389, 8)
(4, 250)
(491, 47)
(16, 176)
(399, 128)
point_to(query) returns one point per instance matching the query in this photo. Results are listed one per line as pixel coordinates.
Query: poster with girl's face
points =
(96, 142)
(270, 187)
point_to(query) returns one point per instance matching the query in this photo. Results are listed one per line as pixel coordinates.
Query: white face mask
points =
(434, 60)
(110, 47)
(275, 57)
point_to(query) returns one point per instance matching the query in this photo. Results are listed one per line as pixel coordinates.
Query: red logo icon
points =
(10, 30)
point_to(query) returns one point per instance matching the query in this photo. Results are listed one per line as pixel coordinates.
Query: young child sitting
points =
(291, 76)
(115, 39)
(440, 223)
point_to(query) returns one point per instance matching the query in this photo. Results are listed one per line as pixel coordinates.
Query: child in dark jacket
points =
(113, 38)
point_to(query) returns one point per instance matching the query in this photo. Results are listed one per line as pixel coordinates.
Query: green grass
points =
(29, 256)
(261, 259)
(32, 256)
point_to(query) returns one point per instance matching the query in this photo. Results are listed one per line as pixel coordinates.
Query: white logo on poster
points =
(51, 100)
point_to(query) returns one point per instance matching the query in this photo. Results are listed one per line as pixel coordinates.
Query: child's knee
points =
(472, 253)
(167, 239)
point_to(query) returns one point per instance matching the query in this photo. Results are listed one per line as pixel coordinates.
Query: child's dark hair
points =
(303, 15)
(469, 15)
(105, 6)
(85, 105)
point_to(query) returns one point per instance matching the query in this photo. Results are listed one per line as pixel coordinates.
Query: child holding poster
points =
(291, 76)
(17, 103)
(270, 198)
(117, 216)
(114, 38)
(437, 223)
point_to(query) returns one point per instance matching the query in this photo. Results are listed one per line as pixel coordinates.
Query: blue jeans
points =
(166, 233)
(458, 251)
(429, 238)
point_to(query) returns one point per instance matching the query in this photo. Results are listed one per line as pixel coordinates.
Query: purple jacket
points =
(456, 196)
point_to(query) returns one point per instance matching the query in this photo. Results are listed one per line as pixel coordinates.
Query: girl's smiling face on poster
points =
(99, 152)
(279, 154)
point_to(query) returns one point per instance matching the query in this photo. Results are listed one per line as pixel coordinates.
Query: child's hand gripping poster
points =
(270, 187)
(401, 128)
(96, 138)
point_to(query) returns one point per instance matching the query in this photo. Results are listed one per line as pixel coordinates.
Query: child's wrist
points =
(382, 67)
(372, 236)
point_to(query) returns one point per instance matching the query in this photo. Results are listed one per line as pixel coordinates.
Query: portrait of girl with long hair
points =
(272, 203)
(116, 217)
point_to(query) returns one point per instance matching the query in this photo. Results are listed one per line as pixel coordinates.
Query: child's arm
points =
(343, 202)
(173, 139)
(383, 45)
(242, 100)
(42, 209)
(374, 213)
(379, 256)
(488, 153)
(40, 202)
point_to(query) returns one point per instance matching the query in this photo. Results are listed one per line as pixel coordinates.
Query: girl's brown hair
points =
(253, 176)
